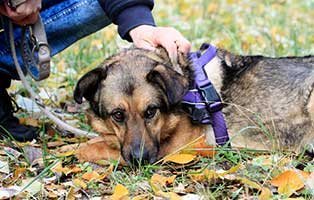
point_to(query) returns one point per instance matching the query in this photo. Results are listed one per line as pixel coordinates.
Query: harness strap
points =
(203, 101)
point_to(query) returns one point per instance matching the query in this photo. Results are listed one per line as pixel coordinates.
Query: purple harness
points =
(203, 102)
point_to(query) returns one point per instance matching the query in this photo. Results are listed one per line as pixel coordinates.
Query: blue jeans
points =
(65, 21)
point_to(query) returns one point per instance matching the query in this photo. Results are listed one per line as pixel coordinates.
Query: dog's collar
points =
(203, 102)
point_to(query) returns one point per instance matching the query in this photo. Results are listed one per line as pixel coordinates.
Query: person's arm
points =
(136, 24)
(128, 14)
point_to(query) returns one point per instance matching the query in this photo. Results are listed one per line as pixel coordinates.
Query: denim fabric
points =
(65, 22)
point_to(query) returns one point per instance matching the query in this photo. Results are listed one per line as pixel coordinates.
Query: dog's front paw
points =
(96, 149)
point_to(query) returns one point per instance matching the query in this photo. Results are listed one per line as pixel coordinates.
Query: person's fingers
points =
(31, 19)
(171, 48)
(145, 45)
(25, 13)
(184, 46)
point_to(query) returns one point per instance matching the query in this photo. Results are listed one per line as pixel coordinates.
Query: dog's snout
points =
(140, 154)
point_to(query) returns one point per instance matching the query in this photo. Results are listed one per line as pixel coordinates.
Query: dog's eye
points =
(150, 112)
(118, 116)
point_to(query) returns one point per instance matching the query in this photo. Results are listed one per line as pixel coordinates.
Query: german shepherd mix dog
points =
(135, 105)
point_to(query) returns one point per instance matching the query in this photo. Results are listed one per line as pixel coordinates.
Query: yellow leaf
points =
(120, 193)
(162, 180)
(250, 183)
(70, 194)
(290, 181)
(205, 174)
(232, 170)
(169, 195)
(265, 194)
(91, 176)
(79, 183)
(286, 189)
(180, 158)
(57, 168)
(66, 154)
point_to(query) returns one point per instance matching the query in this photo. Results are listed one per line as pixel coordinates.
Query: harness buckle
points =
(209, 94)
(200, 116)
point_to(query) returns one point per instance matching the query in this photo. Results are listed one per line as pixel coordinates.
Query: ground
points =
(40, 170)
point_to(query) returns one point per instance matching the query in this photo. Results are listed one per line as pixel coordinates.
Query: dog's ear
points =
(180, 64)
(87, 85)
(172, 84)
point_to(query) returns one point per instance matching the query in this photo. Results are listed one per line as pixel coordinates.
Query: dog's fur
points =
(135, 103)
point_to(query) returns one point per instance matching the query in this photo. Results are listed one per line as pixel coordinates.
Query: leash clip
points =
(13, 4)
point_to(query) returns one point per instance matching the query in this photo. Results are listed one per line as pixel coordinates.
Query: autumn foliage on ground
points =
(48, 169)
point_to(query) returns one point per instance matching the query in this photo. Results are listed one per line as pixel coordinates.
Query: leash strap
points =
(203, 102)
(37, 62)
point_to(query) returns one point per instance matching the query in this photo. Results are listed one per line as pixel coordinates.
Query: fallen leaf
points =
(290, 181)
(32, 186)
(162, 180)
(180, 158)
(70, 194)
(191, 197)
(91, 176)
(169, 195)
(8, 193)
(11, 151)
(120, 193)
(32, 153)
(29, 121)
(66, 154)
(4, 167)
(249, 183)
(310, 182)
(265, 194)
(203, 149)
(79, 183)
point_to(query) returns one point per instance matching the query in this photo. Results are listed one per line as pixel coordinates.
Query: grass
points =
(270, 28)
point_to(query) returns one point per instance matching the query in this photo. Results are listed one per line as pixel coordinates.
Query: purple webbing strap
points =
(201, 81)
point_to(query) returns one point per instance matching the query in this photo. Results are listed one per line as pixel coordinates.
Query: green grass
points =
(270, 28)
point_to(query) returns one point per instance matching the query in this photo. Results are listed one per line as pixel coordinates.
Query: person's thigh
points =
(65, 23)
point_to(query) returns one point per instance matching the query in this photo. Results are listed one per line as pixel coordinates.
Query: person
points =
(67, 21)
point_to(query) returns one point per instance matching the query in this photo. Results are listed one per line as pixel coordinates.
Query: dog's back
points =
(269, 100)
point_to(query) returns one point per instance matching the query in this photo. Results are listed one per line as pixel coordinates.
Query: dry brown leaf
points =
(203, 149)
(91, 176)
(120, 193)
(162, 180)
(180, 158)
(290, 181)
(29, 121)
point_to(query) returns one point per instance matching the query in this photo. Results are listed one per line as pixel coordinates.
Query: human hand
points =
(149, 37)
(24, 14)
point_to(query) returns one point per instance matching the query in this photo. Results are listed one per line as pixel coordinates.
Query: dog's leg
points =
(310, 109)
(98, 149)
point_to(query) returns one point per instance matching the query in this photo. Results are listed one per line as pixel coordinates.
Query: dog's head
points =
(133, 93)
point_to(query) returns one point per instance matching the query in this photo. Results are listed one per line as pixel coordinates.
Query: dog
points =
(135, 103)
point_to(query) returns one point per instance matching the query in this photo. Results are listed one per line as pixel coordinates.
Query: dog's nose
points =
(140, 155)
